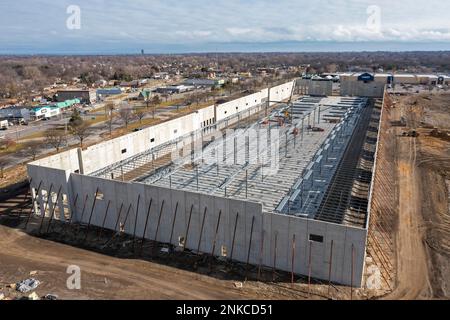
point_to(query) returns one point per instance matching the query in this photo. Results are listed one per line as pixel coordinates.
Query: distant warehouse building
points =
(104, 93)
(362, 84)
(15, 112)
(44, 112)
(444, 80)
(371, 85)
(316, 86)
(204, 82)
(20, 113)
(85, 96)
(53, 110)
(175, 89)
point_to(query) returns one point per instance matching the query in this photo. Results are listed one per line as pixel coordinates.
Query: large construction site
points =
(268, 180)
(273, 196)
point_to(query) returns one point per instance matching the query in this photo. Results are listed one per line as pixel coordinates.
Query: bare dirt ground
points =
(118, 273)
(423, 168)
(410, 238)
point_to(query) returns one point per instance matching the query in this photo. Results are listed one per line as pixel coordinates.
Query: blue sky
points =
(115, 26)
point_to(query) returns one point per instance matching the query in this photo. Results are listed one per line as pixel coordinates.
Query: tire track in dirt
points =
(132, 279)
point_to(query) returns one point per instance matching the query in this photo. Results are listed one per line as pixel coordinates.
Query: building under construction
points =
(277, 185)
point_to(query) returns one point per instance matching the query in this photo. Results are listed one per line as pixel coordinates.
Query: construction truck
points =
(411, 133)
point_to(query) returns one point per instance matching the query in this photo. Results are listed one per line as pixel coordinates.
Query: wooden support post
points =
(90, 215)
(135, 219)
(45, 206)
(293, 259)
(145, 227)
(33, 204)
(82, 212)
(261, 250)
(173, 223)
(126, 216)
(125, 221)
(104, 220)
(187, 229)
(201, 230)
(249, 247)
(159, 220)
(274, 257)
(71, 214)
(25, 200)
(234, 235)
(53, 209)
(118, 217)
(330, 267)
(215, 234)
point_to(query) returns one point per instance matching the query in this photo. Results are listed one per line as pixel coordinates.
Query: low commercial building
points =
(85, 96)
(362, 84)
(371, 85)
(175, 89)
(316, 86)
(15, 112)
(204, 82)
(444, 80)
(44, 112)
(161, 76)
(130, 84)
(104, 93)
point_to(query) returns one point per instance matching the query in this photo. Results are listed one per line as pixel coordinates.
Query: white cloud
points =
(236, 32)
(178, 22)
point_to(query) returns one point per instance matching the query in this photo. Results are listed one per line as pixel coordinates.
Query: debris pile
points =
(27, 285)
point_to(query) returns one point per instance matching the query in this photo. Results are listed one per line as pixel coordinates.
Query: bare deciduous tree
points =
(7, 144)
(139, 113)
(126, 115)
(3, 163)
(55, 137)
(156, 100)
(80, 131)
(109, 113)
(32, 148)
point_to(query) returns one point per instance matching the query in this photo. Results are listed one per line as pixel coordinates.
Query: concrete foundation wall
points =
(118, 149)
(281, 92)
(45, 185)
(67, 160)
(372, 89)
(230, 108)
(321, 88)
(315, 87)
(348, 242)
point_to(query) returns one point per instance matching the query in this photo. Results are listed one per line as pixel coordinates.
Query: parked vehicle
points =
(4, 124)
